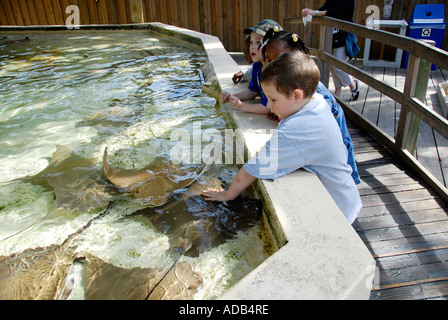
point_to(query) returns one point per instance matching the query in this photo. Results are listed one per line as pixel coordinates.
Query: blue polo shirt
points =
(338, 114)
(255, 85)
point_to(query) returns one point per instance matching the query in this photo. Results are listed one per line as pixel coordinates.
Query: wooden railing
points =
(412, 108)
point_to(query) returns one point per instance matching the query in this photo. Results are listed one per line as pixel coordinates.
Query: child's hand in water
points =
(235, 103)
(225, 96)
(215, 195)
(241, 182)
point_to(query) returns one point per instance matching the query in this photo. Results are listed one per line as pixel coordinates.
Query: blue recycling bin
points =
(428, 23)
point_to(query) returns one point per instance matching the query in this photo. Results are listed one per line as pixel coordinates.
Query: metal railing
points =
(413, 110)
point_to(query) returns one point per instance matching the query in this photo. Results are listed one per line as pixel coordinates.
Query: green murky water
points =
(126, 91)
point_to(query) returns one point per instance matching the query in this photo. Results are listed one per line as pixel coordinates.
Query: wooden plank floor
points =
(403, 224)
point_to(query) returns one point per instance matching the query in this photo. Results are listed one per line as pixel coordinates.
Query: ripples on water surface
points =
(126, 91)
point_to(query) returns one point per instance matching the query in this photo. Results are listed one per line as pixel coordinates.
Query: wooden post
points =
(136, 9)
(326, 45)
(417, 77)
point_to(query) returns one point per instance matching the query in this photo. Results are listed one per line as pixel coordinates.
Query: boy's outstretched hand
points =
(239, 184)
(215, 195)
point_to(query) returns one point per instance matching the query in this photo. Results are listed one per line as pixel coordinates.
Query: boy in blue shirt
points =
(307, 137)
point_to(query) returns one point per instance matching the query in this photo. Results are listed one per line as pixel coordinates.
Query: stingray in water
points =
(39, 273)
(77, 182)
(80, 186)
(108, 282)
(194, 225)
(43, 273)
(154, 184)
(107, 120)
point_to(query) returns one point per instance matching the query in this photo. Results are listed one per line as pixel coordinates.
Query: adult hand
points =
(306, 12)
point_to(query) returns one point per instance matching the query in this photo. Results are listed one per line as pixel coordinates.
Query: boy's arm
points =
(246, 94)
(242, 181)
(236, 104)
(237, 97)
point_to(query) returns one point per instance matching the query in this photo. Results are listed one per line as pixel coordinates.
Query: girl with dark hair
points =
(284, 40)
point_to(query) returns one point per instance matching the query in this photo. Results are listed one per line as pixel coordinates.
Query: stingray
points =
(107, 120)
(39, 273)
(108, 282)
(77, 182)
(43, 274)
(155, 184)
(194, 225)
(79, 186)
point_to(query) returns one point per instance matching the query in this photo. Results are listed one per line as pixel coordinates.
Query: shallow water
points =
(125, 91)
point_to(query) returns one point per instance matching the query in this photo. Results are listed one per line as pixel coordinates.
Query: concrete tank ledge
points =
(320, 256)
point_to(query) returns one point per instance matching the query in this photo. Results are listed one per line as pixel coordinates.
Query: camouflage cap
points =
(262, 27)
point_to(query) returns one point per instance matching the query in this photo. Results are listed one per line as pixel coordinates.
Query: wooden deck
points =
(403, 222)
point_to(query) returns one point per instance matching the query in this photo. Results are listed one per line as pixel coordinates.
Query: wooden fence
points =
(225, 19)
